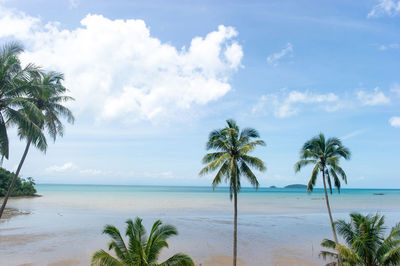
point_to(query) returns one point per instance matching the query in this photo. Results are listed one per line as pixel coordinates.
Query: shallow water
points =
(65, 224)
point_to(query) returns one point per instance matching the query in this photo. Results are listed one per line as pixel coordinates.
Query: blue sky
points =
(151, 79)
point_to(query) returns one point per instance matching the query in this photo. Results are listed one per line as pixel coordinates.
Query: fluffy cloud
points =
(287, 104)
(374, 98)
(394, 121)
(274, 58)
(115, 69)
(385, 7)
(61, 168)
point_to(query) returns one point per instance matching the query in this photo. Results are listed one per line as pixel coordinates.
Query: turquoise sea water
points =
(270, 220)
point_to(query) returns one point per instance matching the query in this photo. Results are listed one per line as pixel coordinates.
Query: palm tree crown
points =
(139, 250)
(324, 155)
(14, 82)
(48, 96)
(231, 157)
(366, 244)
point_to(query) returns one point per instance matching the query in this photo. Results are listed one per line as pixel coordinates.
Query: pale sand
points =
(10, 212)
(278, 260)
(222, 260)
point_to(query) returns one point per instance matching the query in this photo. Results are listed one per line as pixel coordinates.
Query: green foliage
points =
(23, 187)
(14, 82)
(366, 244)
(231, 157)
(324, 155)
(139, 250)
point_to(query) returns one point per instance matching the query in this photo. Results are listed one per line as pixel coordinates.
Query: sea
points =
(276, 226)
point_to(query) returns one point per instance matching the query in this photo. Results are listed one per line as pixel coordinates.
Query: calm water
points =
(66, 223)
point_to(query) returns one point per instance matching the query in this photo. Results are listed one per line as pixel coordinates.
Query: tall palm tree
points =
(366, 244)
(14, 80)
(231, 158)
(139, 250)
(324, 155)
(46, 94)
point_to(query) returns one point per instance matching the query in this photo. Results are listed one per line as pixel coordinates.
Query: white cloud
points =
(385, 7)
(287, 104)
(116, 70)
(274, 58)
(374, 98)
(61, 168)
(389, 46)
(394, 121)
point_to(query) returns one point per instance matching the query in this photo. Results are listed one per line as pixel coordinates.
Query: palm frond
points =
(102, 258)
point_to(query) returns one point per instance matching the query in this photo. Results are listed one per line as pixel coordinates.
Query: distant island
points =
(272, 187)
(296, 186)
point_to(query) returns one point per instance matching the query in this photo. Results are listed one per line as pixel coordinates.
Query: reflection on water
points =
(66, 223)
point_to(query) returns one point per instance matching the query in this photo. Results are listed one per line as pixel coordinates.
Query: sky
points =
(151, 79)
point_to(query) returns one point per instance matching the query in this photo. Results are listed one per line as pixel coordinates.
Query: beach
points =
(275, 226)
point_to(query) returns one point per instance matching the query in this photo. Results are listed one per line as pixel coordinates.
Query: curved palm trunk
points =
(3, 206)
(331, 219)
(235, 229)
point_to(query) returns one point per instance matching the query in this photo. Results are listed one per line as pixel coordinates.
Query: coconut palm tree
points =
(231, 147)
(139, 250)
(14, 81)
(47, 95)
(366, 244)
(324, 155)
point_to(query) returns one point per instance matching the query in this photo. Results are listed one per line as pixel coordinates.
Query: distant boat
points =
(379, 193)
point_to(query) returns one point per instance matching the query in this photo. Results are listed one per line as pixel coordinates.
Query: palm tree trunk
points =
(3, 206)
(235, 229)
(331, 219)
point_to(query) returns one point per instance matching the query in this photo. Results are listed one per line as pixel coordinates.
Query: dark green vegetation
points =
(22, 187)
(366, 243)
(296, 186)
(324, 154)
(139, 250)
(32, 100)
(230, 157)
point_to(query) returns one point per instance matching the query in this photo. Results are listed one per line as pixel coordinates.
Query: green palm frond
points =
(313, 178)
(231, 159)
(102, 258)
(365, 242)
(179, 259)
(142, 250)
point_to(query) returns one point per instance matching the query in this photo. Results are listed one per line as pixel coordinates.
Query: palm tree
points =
(232, 161)
(14, 80)
(139, 251)
(324, 155)
(366, 244)
(46, 94)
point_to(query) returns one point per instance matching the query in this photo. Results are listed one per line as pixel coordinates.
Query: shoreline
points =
(23, 197)
(12, 212)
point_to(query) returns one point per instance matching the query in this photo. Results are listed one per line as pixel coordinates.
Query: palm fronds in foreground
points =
(366, 244)
(139, 250)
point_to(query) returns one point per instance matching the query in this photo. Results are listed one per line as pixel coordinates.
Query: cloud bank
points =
(286, 104)
(115, 69)
(385, 7)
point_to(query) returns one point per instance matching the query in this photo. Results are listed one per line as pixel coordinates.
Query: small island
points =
(296, 186)
(272, 187)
